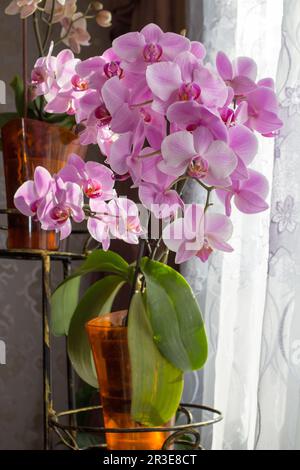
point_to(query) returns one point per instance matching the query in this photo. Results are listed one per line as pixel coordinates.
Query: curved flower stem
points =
(37, 33)
(138, 105)
(49, 27)
(136, 276)
(25, 64)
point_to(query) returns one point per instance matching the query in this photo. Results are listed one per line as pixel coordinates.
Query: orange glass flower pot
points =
(108, 339)
(27, 144)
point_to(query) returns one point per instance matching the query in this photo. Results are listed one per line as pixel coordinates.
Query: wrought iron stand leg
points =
(47, 369)
(70, 371)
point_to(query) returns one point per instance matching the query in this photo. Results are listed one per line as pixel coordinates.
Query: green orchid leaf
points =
(6, 117)
(175, 316)
(156, 384)
(18, 88)
(97, 301)
(63, 304)
(65, 297)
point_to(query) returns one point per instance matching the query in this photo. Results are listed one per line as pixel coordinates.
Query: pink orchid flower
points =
(96, 180)
(185, 79)
(128, 115)
(125, 222)
(31, 195)
(61, 94)
(24, 7)
(64, 201)
(98, 225)
(249, 195)
(199, 156)
(155, 188)
(190, 115)
(43, 74)
(240, 75)
(263, 111)
(62, 9)
(244, 143)
(138, 50)
(75, 35)
(124, 156)
(198, 234)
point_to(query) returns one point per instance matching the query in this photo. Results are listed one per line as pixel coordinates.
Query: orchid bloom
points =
(156, 191)
(199, 156)
(249, 195)
(263, 110)
(128, 115)
(24, 7)
(239, 75)
(198, 234)
(138, 50)
(64, 201)
(96, 180)
(185, 79)
(62, 9)
(190, 115)
(74, 32)
(31, 195)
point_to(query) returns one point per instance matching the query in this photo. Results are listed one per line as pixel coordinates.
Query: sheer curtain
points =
(251, 298)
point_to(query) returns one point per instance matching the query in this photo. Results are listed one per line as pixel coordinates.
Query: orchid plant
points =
(55, 22)
(162, 117)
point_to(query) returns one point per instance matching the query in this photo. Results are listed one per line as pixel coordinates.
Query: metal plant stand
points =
(187, 434)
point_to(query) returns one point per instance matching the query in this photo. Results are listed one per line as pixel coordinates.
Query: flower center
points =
(152, 53)
(189, 92)
(71, 109)
(205, 251)
(132, 224)
(37, 76)
(103, 116)
(228, 117)
(145, 115)
(113, 69)
(198, 168)
(79, 84)
(60, 213)
(34, 206)
(92, 189)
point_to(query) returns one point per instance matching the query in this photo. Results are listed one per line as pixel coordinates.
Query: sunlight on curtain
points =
(244, 274)
(232, 288)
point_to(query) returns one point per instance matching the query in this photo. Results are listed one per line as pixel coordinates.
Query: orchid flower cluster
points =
(64, 12)
(162, 117)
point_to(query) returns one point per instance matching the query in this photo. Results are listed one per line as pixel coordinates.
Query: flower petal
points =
(224, 66)
(243, 142)
(129, 46)
(163, 79)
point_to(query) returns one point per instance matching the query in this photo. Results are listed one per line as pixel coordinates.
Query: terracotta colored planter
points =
(27, 144)
(108, 339)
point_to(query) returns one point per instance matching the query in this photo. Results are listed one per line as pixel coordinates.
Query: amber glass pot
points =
(108, 339)
(27, 144)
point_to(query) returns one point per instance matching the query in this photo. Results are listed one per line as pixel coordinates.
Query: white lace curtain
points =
(251, 298)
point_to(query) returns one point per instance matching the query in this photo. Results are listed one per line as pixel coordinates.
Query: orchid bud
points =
(104, 18)
(97, 6)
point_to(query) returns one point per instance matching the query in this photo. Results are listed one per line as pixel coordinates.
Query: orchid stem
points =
(136, 275)
(49, 27)
(25, 65)
(37, 33)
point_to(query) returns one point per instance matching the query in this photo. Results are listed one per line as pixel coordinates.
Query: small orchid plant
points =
(162, 117)
(55, 22)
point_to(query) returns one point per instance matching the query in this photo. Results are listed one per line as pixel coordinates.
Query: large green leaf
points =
(65, 297)
(63, 304)
(175, 316)
(97, 301)
(156, 384)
